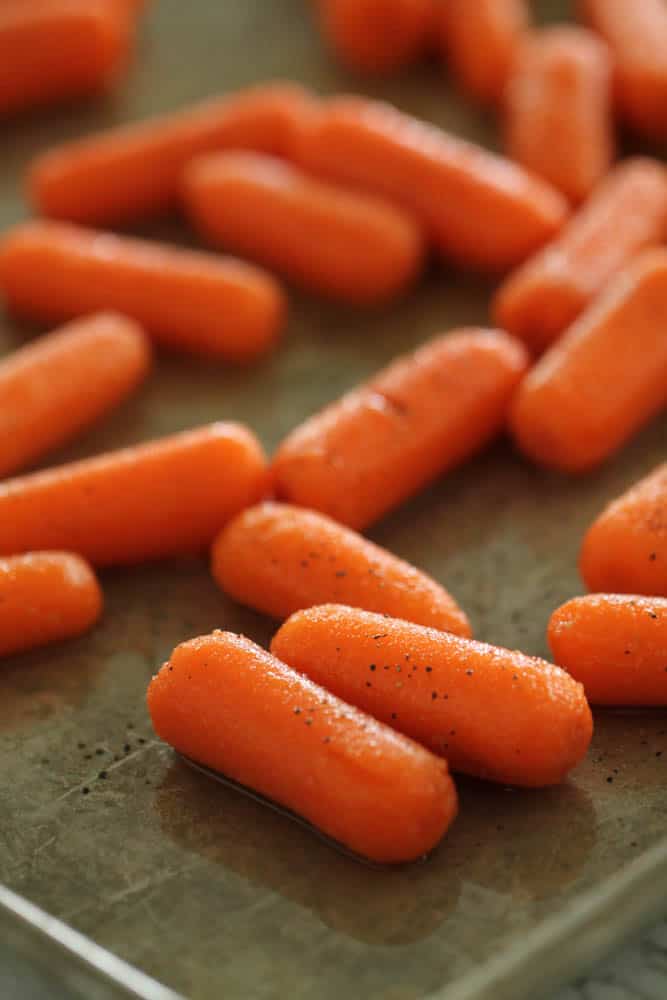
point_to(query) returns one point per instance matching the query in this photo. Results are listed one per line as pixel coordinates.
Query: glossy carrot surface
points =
(215, 306)
(494, 713)
(278, 558)
(61, 383)
(228, 704)
(625, 550)
(382, 442)
(376, 36)
(616, 645)
(45, 597)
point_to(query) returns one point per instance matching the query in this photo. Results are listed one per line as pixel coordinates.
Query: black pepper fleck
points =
(372, 666)
(99, 751)
(469, 673)
(393, 715)
(653, 556)
(341, 572)
(103, 775)
(81, 746)
(85, 790)
(434, 695)
(610, 779)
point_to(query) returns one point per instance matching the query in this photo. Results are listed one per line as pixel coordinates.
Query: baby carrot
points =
(55, 50)
(604, 379)
(278, 559)
(494, 713)
(615, 645)
(155, 499)
(480, 209)
(625, 550)
(479, 42)
(61, 383)
(637, 36)
(135, 171)
(44, 597)
(346, 245)
(558, 109)
(424, 414)
(209, 305)
(627, 213)
(228, 704)
(376, 36)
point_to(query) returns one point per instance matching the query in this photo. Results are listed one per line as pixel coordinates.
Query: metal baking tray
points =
(209, 892)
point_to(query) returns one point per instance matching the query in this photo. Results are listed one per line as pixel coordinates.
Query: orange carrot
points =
(615, 645)
(558, 109)
(45, 597)
(376, 36)
(382, 442)
(494, 713)
(60, 384)
(156, 499)
(55, 50)
(480, 209)
(479, 41)
(637, 36)
(346, 245)
(134, 171)
(625, 550)
(627, 213)
(278, 559)
(604, 379)
(192, 301)
(227, 704)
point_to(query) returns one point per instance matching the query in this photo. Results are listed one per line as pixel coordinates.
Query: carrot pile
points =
(374, 686)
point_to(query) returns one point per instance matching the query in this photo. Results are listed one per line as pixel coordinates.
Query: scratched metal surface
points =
(211, 893)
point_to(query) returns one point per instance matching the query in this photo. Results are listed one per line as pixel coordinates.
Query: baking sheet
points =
(206, 891)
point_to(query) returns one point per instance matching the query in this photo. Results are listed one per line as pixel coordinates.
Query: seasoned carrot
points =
(228, 704)
(604, 379)
(382, 442)
(637, 36)
(61, 383)
(278, 559)
(494, 713)
(209, 305)
(627, 213)
(376, 36)
(134, 171)
(558, 109)
(156, 499)
(479, 42)
(349, 246)
(55, 50)
(480, 209)
(45, 597)
(625, 550)
(615, 645)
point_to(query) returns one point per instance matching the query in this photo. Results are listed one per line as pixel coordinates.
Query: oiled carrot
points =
(278, 559)
(479, 42)
(63, 382)
(350, 246)
(376, 36)
(615, 645)
(604, 379)
(382, 442)
(558, 109)
(197, 302)
(156, 499)
(625, 550)
(637, 36)
(494, 713)
(45, 597)
(228, 704)
(627, 213)
(481, 210)
(134, 171)
(54, 50)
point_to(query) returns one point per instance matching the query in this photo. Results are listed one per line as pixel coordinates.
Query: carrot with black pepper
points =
(615, 645)
(382, 442)
(493, 713)
(625, 550)
(376, 36)
(278, 558)
(228, 704)
(45, 597)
